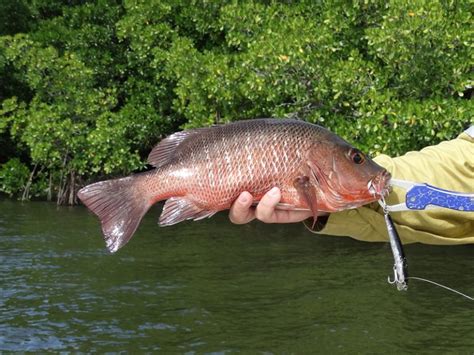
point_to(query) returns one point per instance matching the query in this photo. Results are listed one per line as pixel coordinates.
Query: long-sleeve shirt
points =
(448, 165)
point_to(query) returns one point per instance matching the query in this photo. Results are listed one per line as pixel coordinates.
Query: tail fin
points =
(120, 206)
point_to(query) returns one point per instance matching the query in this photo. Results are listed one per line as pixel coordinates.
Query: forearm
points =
(448, 165)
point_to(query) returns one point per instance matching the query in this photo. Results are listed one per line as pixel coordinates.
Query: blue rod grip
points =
(420, 196)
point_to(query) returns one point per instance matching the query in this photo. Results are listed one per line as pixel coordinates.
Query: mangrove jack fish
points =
(202, 171)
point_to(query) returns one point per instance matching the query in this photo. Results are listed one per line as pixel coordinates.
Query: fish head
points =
(347, 177)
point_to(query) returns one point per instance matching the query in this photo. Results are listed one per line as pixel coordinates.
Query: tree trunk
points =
(26, 191)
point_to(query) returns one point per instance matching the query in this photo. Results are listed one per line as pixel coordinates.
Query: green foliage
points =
(423, 43)
(13, 176)
(88, 87)
(14, 16)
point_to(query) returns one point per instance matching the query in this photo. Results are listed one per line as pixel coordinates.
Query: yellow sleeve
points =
(448, 165)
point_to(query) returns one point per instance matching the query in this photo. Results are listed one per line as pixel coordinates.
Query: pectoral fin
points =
(308, 192)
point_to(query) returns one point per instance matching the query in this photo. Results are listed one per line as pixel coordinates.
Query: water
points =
(212, 287)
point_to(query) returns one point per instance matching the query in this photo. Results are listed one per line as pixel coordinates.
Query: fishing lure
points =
(400, 267)
(419, 196)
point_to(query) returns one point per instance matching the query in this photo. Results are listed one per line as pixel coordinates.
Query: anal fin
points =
(178, 209)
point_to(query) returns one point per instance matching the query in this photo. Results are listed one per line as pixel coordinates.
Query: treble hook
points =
(395, 277)
(397, 280)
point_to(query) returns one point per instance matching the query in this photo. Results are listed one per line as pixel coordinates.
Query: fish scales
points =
(202, 171)
(214, 177)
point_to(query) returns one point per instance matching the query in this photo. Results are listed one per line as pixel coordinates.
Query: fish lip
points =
(380, 184)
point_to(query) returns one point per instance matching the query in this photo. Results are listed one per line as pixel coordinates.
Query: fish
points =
(202, 171)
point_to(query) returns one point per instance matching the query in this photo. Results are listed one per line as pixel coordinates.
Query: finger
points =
(241, 210)
(290, 216)
(265, 210)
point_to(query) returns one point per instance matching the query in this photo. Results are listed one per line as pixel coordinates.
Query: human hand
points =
(242, 211)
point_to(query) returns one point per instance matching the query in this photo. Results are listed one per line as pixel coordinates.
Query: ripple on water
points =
(210, 287)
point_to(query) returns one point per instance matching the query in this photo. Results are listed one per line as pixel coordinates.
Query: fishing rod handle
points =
(421, 196)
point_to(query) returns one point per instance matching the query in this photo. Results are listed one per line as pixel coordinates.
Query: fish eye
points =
(357, 157)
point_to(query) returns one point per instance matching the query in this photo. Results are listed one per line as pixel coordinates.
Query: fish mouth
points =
(379, 186)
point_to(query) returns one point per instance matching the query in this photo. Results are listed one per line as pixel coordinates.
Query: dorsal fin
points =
(162, 153)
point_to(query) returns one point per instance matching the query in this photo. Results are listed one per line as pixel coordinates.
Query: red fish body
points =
(202, 171)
